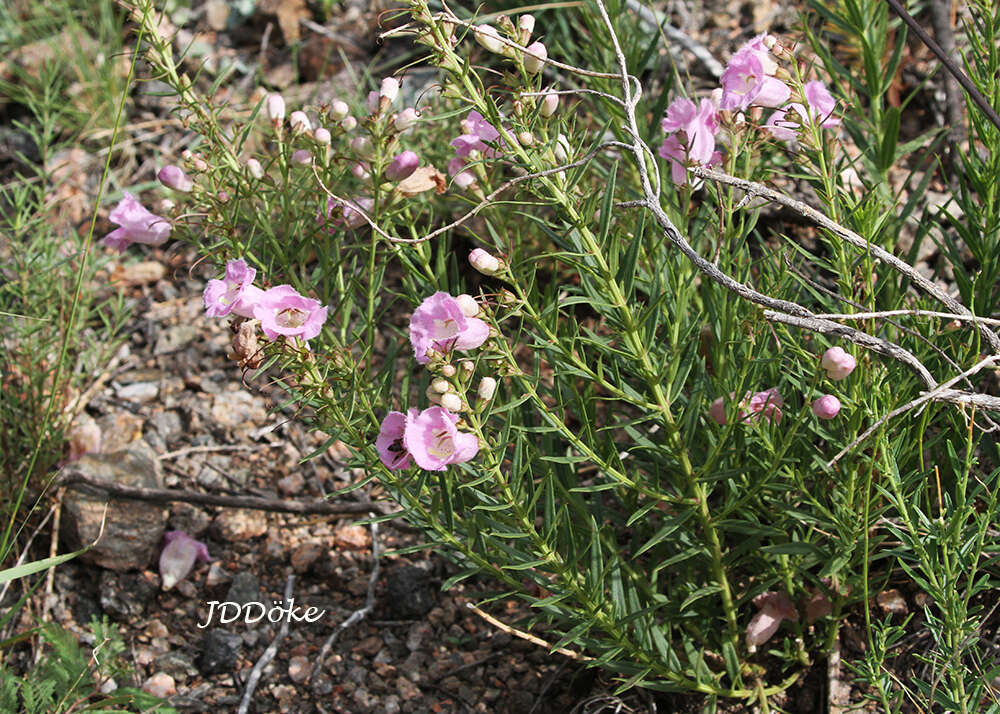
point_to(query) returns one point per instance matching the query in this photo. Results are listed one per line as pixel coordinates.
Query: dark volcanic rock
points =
(219, 650)
(409, 593)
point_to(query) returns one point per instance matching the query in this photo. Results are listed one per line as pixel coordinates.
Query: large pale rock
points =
(133, 530)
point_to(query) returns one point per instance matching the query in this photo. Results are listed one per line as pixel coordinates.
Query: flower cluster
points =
(441, 326)
(751, 79)
(767, 405)
(281, 310)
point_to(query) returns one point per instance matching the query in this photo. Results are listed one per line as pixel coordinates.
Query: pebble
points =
(240, 524)
(305, 555)
(123, 596)
(291, 485)
(217, 575)
(190, 519)
(160, 685)
(138, 392)
(132, 530)
(299, 669)
(245, 589)
(177, 664)
(351, 537)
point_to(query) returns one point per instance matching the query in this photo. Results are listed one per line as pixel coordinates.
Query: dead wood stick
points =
(258, 503)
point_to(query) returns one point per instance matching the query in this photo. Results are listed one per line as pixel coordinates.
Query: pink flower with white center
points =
(282, 311)
(826, 407)
(404, 164)
(389, 443)
(137, 225)
(746, 82)
(439, 325)
(433, 440)
(178, 557)
(837, 363)
(699, 124)
(774, 607)
(764, 405)
(234, 293)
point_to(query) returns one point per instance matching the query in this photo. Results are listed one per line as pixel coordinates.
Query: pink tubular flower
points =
(234, 293)
(819, 105)
(433, 441)
(282, 311)
(774, 607)
(137, 225)
(402, 166)
(439, 325)
(389, 443)
(746, 81)
(764, 405)
(350, 213)
(174, 177)
(826, 407)
(837, 363)
(781, 127)
(699, 124)
(178, 557)
(477, 131)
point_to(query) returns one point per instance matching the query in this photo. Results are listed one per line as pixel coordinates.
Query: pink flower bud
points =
(372, 101)
(339, 110)
(452, 402)
(360, 171)
(405, 119)
(717, 411)
(322, 136)
(301, 157)
(389, 89)
(363, 147)
(468, 305)
(488, 37)
(550, 102)
(484, 262)
(174, 177)
(526, 23)
(448, 370)
(837, 363)
(299, 122)
(255, 169)
(487, 388)
(178, 557)
(441, 386)
(534, 64)
(402, 166)
(275, 108)
(826, 407)
(349, 123)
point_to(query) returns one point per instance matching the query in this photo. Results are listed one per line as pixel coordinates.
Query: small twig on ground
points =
(269, 653)
(358, 615)
(71, 477)
(209, 449)
(503, 627)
